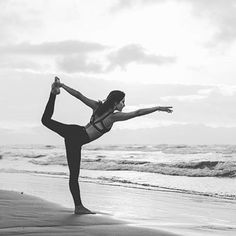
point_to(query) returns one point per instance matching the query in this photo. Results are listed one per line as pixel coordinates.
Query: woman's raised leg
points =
(60, 128)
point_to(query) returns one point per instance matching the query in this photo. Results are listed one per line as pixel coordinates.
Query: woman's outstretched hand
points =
(166, 109)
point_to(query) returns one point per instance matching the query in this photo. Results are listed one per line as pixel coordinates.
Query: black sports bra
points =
(93, 123)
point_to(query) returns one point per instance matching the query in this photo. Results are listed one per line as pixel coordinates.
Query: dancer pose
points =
(105, 114)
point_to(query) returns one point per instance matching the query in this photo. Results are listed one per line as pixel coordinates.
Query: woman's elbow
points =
(44, 120)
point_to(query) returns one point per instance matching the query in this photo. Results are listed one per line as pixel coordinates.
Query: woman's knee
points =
(45, 120)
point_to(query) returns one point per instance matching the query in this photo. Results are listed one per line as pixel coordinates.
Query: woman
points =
(103, 117)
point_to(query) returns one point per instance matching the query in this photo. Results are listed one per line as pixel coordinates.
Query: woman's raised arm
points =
(87, 101)
(121, 116)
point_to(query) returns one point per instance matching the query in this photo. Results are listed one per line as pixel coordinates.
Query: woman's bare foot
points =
(57, 82)
(81, 210)
(56, 86)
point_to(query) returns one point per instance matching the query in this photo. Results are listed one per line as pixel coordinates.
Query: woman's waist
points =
(92, 132)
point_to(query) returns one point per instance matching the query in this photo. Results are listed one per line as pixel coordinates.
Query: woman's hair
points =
(114, 97)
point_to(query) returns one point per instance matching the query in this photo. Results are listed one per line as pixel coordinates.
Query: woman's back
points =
(99, 125)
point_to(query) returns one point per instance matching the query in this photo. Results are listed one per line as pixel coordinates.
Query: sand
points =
(120, 210)
(22, 214)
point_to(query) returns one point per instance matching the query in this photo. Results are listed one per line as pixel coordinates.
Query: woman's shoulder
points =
(98, 104)
(115, 114)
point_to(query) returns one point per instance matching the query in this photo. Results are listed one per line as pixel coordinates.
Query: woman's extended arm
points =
(87, 101)
(120, 116)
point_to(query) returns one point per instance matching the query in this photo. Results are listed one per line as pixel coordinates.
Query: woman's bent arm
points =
(120, 116)
(87, 101)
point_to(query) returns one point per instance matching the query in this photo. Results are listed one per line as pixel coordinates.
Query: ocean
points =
(208, 170)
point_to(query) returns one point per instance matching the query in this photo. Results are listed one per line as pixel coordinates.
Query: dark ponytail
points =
(114, 97)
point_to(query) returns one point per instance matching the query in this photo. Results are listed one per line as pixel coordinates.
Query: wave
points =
(50, 146)
(207, 168)
(50, 173)
(51, 160)
(137, 158)
(34, 156)
(190, 169)
(146, 186)
(199, 165)
(168, 149)
(118, 181)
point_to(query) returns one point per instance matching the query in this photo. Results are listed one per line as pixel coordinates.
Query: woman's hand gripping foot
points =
(56, 86)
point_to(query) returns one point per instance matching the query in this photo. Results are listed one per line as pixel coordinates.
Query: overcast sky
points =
(160, 52)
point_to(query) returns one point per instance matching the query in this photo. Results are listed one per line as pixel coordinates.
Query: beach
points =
(156, 189)
(134, 99)
(26, 215)
(42, 205)
(22, 214)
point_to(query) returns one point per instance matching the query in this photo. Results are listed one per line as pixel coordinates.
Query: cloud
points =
(136, 54)
(124, 4)
(217, 92)
(69, 56)
(79, 63)
(77, 56)
(227, 90)
(146, 123)
(188, 98)
(53, 48)
(121, 4)
(17, 18)
(111, 60)
(210, 106)
(18, 64)
(15, 126)
(221, 13)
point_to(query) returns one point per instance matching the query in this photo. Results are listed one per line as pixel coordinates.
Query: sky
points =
(178, 53)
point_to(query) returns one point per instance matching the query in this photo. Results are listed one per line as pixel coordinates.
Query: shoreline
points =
(180, 214)
(25, 214)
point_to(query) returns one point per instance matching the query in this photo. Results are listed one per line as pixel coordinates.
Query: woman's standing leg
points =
(73, 153)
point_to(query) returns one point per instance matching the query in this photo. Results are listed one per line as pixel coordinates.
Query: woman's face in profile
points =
(120, 105)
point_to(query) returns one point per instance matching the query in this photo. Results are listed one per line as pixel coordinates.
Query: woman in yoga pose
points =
(105, 114)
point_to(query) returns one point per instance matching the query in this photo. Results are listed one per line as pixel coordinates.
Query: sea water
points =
(199, 169)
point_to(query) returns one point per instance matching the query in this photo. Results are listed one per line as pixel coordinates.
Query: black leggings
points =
(75, 136)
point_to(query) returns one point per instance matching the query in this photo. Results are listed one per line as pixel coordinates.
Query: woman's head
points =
(114, 101)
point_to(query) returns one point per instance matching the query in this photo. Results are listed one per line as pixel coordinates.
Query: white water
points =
(205, 170)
